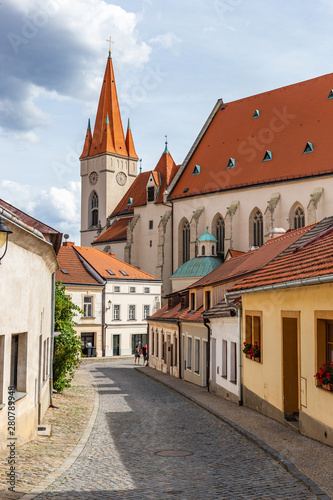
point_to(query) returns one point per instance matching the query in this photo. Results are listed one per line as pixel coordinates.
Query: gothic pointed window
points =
(186, 241)
(299, 219)
(94, 209)
(258, 229)
(220, 235)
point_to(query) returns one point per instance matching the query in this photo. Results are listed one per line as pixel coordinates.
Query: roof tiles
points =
(289, 118)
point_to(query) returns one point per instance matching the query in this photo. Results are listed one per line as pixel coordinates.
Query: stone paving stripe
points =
(289, 466)
(48, 480)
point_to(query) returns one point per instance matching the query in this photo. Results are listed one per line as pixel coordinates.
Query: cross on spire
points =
(110, 41)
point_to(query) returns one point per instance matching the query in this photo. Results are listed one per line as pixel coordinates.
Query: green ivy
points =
(67, 346)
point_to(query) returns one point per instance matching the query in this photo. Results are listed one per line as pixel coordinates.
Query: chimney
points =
(68, 244)
(112, 254)
(277, 231)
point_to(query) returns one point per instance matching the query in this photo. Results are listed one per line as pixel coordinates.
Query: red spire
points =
(108, 105)
(107, 145)
(87, 143)
(166, 167)
(129, 142)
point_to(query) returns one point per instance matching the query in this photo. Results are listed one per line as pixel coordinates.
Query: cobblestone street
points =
(137, 418)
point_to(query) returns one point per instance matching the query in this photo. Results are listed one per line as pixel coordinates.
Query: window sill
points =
(233, 382)
(197, 372)
(19, 395)
(224, 376)
(88, 317)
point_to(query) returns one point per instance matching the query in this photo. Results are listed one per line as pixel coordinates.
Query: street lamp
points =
(4, 232)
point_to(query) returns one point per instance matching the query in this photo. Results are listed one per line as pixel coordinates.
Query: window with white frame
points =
(146, 311)
(131, 312)
(87, 306)
(18, 361)
(146, 289)
(116, 289)
(189, 353)
(132, 289)
(116, 311)
(197, 355)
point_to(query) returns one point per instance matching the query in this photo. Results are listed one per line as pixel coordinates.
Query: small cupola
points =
(207, 245)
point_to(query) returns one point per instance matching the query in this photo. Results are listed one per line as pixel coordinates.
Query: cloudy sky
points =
(172, 61)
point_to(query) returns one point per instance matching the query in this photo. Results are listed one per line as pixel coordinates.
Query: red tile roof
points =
(311, 259)
(253, 260)
(116, 232)
(163, 174)
(102, 262)
(108, 133)
(289, 118)
(176, 313)
(48, 232)
(76, 272)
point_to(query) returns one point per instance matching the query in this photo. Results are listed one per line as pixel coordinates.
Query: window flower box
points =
(328, 387)
(325, 376)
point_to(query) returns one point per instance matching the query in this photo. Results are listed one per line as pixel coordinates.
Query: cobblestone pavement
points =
(43, 456)
(139, 417)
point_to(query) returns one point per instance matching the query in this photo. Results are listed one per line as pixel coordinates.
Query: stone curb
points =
(69, 461)
(289, 466)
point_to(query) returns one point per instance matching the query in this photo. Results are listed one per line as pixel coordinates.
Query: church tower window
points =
(186, 241)
(258, 229)
(94, 209)
(220, 235)
(299, 219)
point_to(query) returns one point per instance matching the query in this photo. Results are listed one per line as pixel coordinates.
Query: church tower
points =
(108, 162)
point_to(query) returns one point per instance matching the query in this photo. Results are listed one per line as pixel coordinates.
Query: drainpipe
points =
(52, 338)
(170, 206)
(239, 366)
(179, 349)
(206, 323)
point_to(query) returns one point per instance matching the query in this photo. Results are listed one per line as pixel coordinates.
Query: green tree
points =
(67, 346)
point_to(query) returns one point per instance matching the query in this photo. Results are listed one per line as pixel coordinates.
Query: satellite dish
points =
(66, 236)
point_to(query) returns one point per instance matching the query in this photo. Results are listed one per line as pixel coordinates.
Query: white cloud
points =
(166, 41)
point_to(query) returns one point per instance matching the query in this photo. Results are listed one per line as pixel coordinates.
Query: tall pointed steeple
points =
(129, 142)
(166, 166)
(87, 142)
(109, 105)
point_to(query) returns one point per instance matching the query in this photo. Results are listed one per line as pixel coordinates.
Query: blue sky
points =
(172, 61)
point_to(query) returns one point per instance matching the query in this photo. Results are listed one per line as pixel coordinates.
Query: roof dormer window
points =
(330, 95)
(267, 156)
(231, 163)
(151, 193)
(256, 113)
(196, 170)
(308, 148)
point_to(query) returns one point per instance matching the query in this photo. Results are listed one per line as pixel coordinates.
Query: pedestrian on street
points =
(145, 355)
(137, 355)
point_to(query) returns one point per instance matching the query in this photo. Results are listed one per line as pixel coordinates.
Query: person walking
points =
(137, 355)
(145, 355)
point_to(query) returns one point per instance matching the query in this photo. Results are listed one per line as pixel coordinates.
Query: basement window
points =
(196, 170)
(308, 148)
(231, 163)
(267, 156)
(330, 95)
(256, 114)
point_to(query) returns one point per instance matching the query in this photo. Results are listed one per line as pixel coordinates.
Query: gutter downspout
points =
(206, 323)
(239, 366)
(179, 350)
(103, 323)
(170, 206)
(52, 338)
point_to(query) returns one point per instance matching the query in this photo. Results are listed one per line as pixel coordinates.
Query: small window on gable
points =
(151, 193)
(196, 170)
(231, 163)
(256, 113)
(267, 156)
(308, 148)
(330, 95)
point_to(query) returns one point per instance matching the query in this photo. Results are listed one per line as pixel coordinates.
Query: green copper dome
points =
(200, 266)
(207, 236)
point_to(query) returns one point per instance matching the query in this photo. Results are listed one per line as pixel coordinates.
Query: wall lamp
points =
(109, 305)
(4, 232)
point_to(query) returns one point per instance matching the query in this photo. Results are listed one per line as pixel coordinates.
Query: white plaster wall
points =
(125, 327)
(250, 198)
(225, 329)
(25, 308)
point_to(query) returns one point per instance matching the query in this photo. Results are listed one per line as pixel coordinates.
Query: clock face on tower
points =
(121, 178)
(93, 178)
